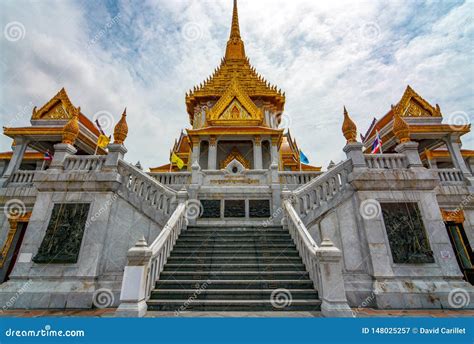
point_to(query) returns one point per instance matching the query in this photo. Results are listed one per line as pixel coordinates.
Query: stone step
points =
(246, 253)
(232, 236)
(223, 259)
(232, 305)
(237, 231)
(232, 246)
(234, 267)
(233, 241)
(234, 284)
(229, 294)
(242, 228)
(233, 275)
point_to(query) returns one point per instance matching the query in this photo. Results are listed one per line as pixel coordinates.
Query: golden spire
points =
(349, 129)
(235, 46)
(121, 129)
(401, 128)
(71, 128)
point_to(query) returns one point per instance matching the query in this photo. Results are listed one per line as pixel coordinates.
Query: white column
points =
(212, 157)
(18, 152)
(455, 151)
(257, 153)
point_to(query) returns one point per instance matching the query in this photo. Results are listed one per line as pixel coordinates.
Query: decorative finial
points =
(401, 128)
(71, 129)
(121, 129)
(235, 46)
(349, 129)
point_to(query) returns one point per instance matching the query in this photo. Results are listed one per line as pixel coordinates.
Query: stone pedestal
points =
(116, 153)
(332, 290)
(61, 152)
(410, 150)
(132, 295)
(354, 152)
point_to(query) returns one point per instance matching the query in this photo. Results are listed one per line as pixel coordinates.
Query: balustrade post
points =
(410, 150)
(116, 153)
(61, 152)
(21, 144)
(134, 284)
(354, 152)
(331, 287)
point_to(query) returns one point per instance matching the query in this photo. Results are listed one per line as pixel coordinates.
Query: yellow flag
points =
(103, 141)
(176, 159)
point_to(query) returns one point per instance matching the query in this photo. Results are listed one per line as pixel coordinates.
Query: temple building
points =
(236, 220)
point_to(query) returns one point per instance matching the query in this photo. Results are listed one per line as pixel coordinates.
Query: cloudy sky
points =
(144, 55)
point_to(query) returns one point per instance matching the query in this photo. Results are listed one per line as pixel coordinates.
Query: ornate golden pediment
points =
(59, 107)
(235, 108)
(413, 105)
(235, 155)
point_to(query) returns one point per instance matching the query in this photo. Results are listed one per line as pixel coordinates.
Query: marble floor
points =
(361, 312)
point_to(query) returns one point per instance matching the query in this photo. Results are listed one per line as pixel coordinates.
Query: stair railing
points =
(323, 188)
(323, 263)
(146, 262)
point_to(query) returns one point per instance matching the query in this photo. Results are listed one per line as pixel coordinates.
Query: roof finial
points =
(235, 46)
(235, 30)
(349, 128)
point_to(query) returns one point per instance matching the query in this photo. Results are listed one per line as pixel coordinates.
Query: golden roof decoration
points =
(349, 129)
(413, 105)
(59, 107)
(121, 129)
(71, 128)
(401, 128)
(252, 116)
(235, 64)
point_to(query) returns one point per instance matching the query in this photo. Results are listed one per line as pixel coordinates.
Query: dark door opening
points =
(462, 249)
(13, 252)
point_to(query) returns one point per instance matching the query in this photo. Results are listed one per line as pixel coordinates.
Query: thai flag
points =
(377, 145)
(47, 156)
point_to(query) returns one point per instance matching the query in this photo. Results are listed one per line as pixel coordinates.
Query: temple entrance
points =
(11, 248)
(226, 150)
(462, 249)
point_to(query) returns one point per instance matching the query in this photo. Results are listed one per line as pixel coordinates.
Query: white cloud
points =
(323, 54)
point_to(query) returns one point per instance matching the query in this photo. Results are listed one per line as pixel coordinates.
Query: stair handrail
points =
(146, 262)
(343, 165)
(324, 263)
(323, 188)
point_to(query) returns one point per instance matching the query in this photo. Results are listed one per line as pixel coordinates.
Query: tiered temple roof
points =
(236, 65)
